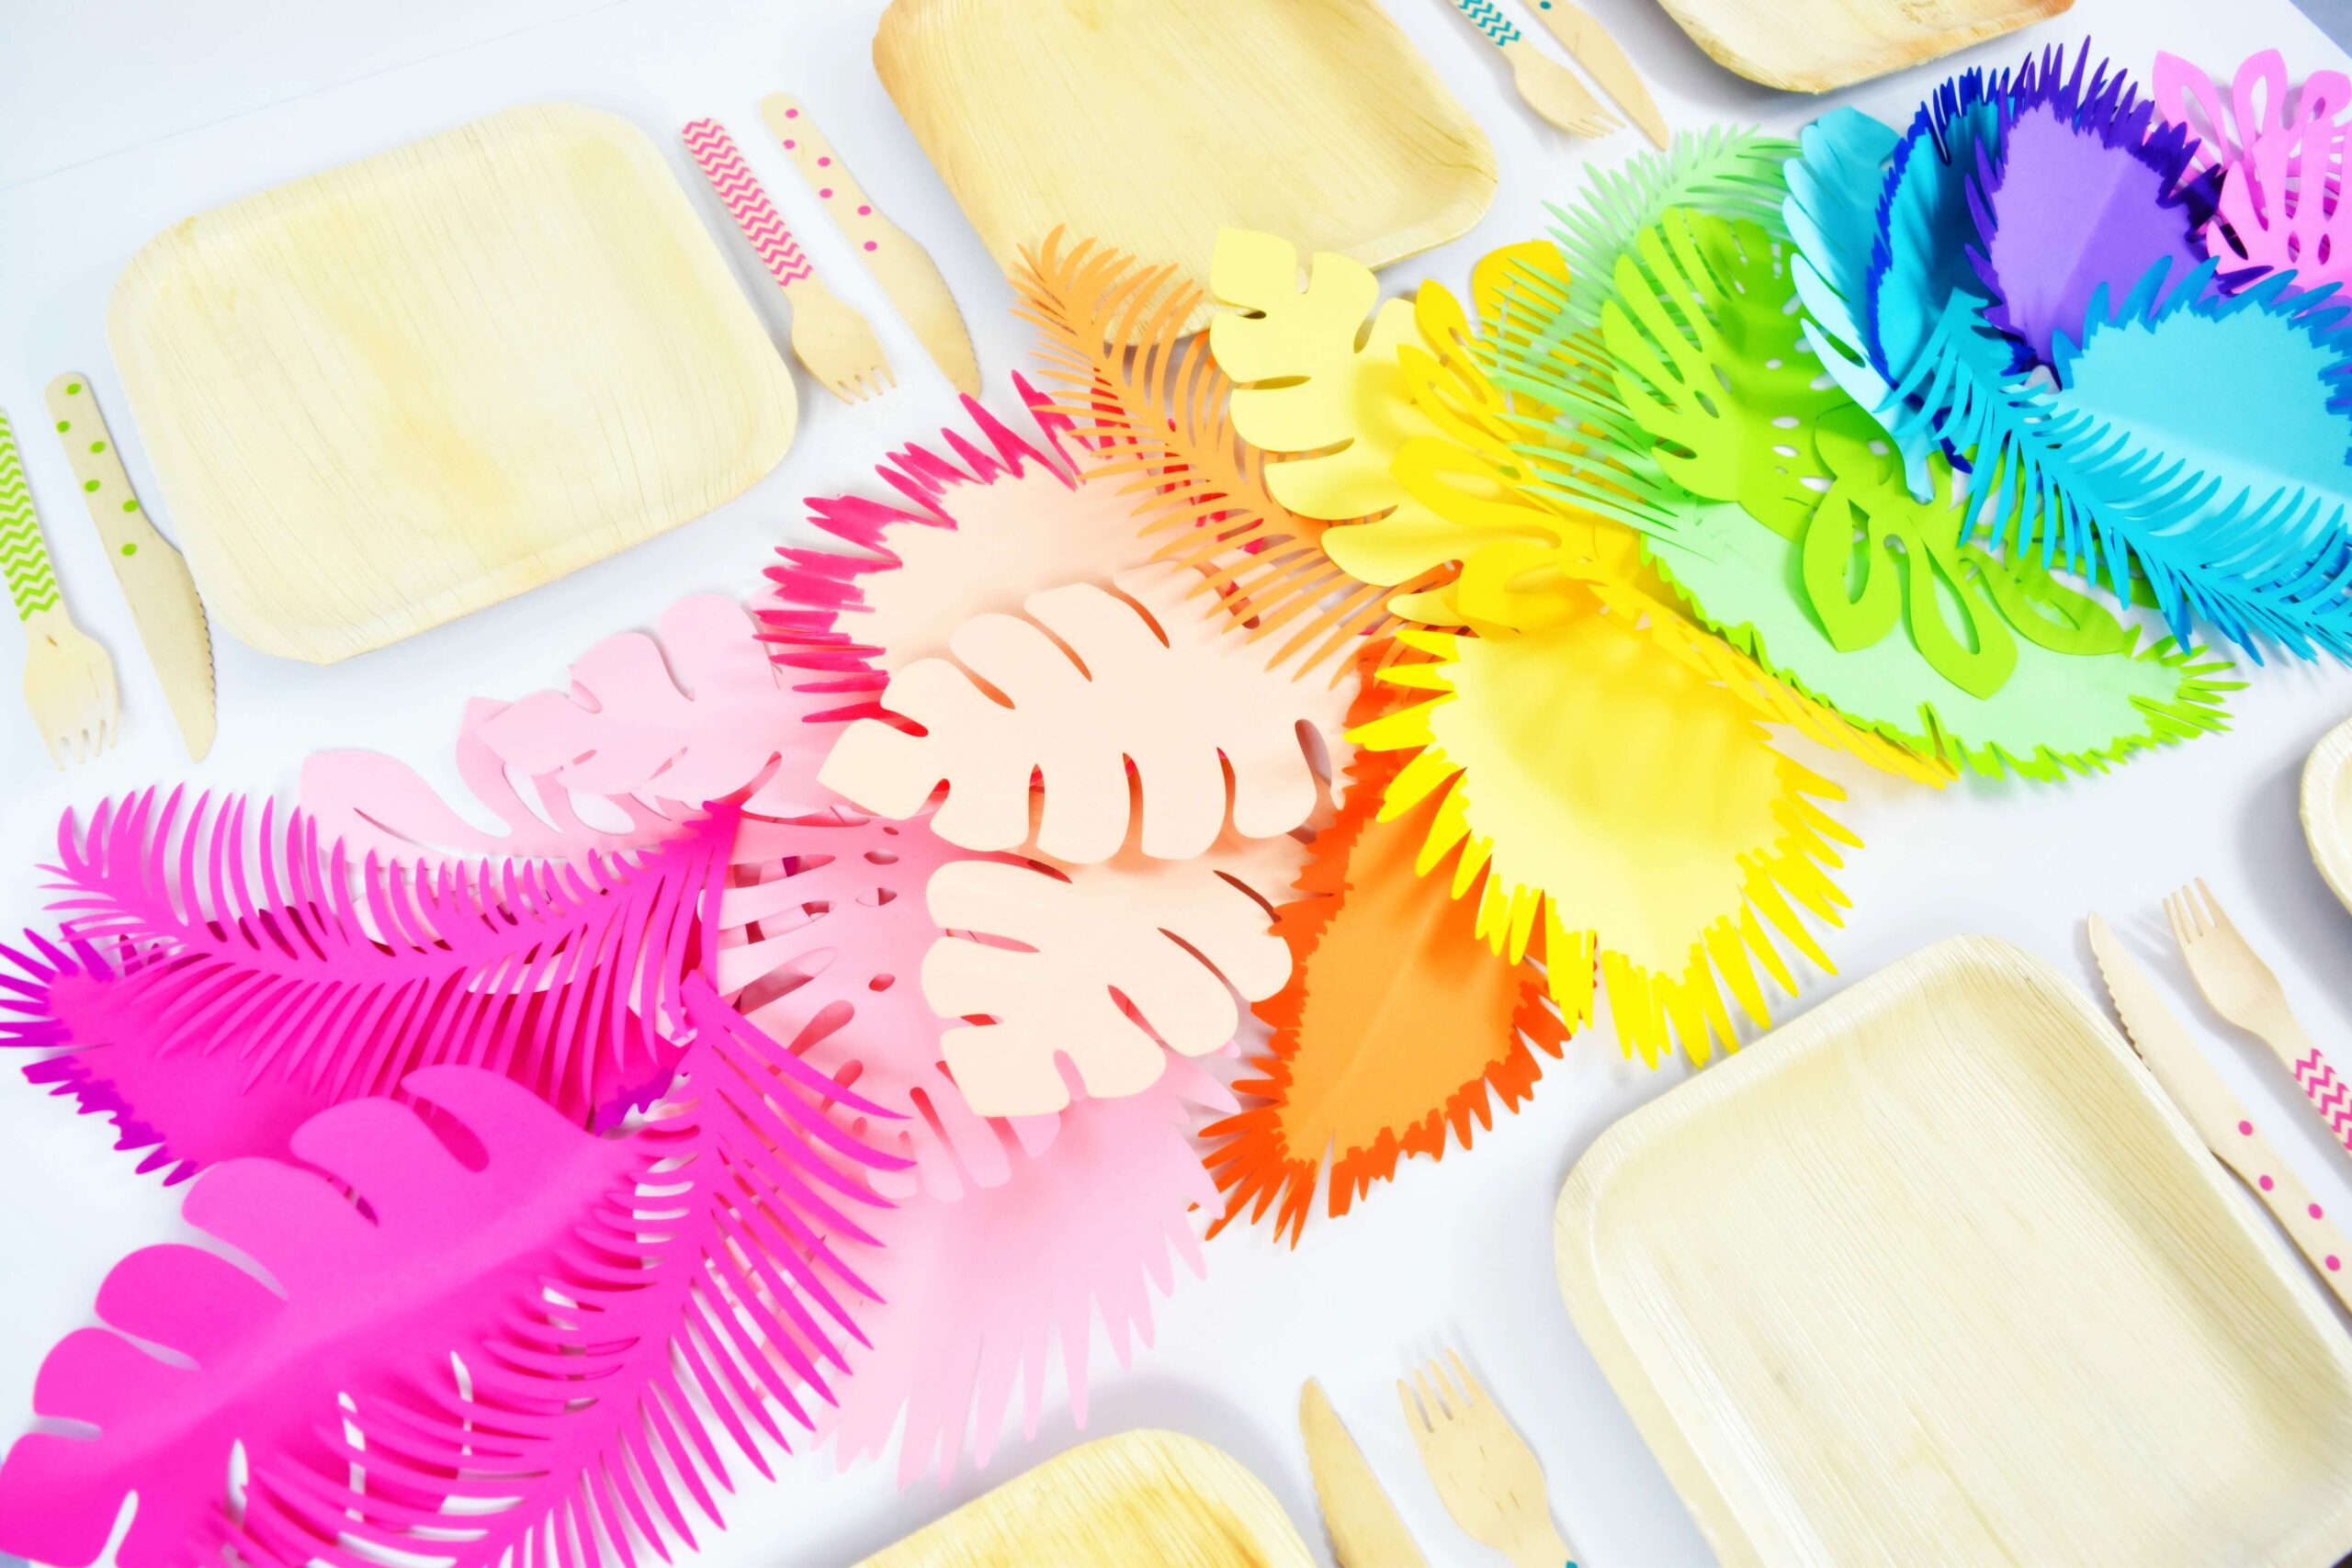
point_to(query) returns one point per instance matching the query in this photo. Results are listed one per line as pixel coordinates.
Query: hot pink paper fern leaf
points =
(499, 1348)
(256, 951)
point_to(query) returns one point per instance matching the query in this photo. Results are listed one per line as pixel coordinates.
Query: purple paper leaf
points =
(2074, 195)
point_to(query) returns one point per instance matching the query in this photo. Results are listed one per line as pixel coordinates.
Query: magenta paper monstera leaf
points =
(472, 1329)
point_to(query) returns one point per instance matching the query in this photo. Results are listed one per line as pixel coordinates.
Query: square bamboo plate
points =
(390, 394)
(1148, 125)
(1811, 46)
(1936, 1275)
(1156, 1498)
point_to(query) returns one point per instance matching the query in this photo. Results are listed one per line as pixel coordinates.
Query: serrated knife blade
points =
(1365, 1530)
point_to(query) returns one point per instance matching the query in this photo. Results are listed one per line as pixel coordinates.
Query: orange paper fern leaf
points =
(1148, 397)
(1399, 1024)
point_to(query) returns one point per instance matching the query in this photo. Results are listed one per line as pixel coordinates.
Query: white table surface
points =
(120, 117)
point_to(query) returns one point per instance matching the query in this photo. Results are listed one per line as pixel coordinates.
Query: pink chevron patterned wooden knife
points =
(829, 337)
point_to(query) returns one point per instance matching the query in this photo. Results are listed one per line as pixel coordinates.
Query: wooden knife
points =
(154, 576)
(1366, 1531)
(2197, 1088)
(903, 269)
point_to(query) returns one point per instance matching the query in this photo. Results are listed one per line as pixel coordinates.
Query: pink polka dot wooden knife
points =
(2221, 1124)
(905, 269)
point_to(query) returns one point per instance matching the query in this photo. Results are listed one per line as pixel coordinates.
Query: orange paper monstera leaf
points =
(1609, 803)
(1400, 1022)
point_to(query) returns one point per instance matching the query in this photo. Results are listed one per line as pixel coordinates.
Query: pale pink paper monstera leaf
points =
(978, 1297)
(698, 715)
(1098, 964)
(1084, 683)
(578, 1280)
(649, 728)
(997, 517)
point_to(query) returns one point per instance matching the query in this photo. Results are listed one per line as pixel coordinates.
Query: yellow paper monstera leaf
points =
(1401, 436)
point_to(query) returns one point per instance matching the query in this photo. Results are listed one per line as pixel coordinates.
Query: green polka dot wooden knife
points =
(154, 577)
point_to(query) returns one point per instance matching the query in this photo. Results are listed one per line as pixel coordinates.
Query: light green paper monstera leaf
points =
(1788, 532)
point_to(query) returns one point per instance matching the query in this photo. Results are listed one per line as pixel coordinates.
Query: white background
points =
(120, 117)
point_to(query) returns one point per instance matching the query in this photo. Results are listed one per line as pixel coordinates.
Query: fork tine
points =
(1471, 1392)
(1415, 1418)
(1429, 1401)
(2184, 925)
(2216, 918)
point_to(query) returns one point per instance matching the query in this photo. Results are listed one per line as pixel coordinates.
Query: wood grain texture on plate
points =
(1935, 1275)
(1148, 125)
(2326, 798)
(1811, 46)
(387, 395)
(1138, 1497)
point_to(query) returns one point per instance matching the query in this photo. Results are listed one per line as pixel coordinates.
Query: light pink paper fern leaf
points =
(495, 1344)
(982, 1294)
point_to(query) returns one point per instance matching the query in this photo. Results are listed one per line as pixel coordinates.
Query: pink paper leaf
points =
(832, 936)
(371, 804)
(592, 1290)
(978, 1296)
(697, 717)
(2281, 152)
(253, 986)
(977, 531)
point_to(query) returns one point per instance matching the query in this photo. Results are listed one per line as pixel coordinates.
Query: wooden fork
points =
(829, 337)
(1484, 1471)
(2243, 989)
(1548, 87)
(69, 680)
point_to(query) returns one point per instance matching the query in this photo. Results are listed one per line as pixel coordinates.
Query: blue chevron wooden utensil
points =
(1547, 87)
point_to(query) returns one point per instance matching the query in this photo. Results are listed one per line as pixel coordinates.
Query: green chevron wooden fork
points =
(69, 680)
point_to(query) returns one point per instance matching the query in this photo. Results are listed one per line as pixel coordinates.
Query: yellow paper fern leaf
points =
(1603, 801)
